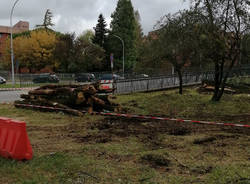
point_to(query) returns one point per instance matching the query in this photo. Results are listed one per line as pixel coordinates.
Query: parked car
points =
(85, 77)
(46, 78)
(110, 77)
(2, 80)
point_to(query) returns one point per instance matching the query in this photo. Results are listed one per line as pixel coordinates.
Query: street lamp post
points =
(122, 52)
(11, 44)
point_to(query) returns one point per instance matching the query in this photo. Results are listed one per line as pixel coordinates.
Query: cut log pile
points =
(208, 87)
(73, 98)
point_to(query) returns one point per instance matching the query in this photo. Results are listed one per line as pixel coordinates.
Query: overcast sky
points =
(79, 15)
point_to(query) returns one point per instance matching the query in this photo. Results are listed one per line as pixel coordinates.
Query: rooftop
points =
(19, 27)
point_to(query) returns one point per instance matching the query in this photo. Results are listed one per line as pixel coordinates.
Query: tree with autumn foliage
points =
(33, 52)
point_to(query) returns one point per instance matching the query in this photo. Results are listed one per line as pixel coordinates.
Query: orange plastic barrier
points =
(14, 142)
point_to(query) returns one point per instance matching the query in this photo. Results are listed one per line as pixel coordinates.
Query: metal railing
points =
(133, 84)
(164, 82)
(158, 83)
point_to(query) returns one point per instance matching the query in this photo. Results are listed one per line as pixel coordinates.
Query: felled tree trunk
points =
(72, 98)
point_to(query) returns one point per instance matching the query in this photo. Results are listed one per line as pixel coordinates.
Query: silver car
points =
(2, 80)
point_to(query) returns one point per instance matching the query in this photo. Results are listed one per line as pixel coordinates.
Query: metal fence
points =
(157, 83)
(132, 82)
(164, 82)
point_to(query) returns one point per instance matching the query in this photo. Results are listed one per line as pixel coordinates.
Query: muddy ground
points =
(151, 133)
(147, 131)
(169, 148)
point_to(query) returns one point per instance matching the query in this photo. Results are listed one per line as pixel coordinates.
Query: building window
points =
(0, 35)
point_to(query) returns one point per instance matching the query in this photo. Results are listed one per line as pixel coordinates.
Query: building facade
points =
(19, 27)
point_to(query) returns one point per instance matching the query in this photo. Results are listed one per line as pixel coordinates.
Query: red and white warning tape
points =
(140, 117)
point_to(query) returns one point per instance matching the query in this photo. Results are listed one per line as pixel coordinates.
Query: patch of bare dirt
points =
(156, 160)
(70, 127)
(204, 140)
(112, 128)
(96, 138)
(218, 139)
(201, 169)
(148, 131)
(241, 118)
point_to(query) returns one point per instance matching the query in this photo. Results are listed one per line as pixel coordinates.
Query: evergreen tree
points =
(123, 24)
(47, 21)
(139, 35)
(138, 29)
(100, 31)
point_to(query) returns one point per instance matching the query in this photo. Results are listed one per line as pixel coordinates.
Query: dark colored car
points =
(46, 78)
(85, 77)
(110, 77)
(2, 80)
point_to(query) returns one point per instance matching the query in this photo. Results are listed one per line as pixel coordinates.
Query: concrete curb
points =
(16, 89)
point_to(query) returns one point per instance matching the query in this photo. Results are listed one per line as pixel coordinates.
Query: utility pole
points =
(11, 44)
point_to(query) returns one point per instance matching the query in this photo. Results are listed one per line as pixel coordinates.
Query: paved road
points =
(11, 96)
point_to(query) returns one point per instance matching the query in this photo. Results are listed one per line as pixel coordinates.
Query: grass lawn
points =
(18, 85)
(30, 84)
(107, 150)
